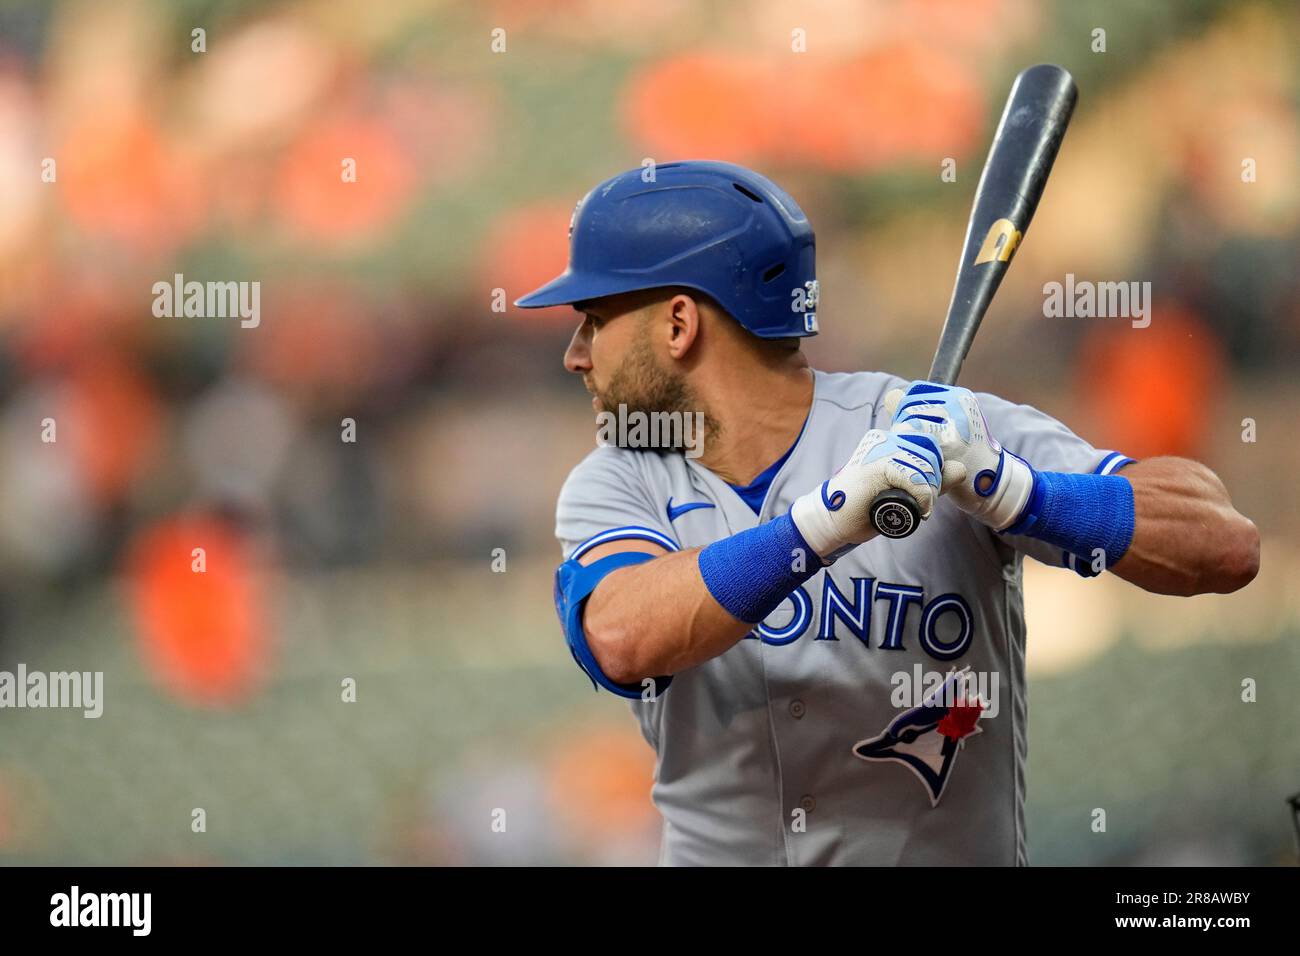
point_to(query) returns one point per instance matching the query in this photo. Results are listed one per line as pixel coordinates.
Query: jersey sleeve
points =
(1047, 445)
(606, 498)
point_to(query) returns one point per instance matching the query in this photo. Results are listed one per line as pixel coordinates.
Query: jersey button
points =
(796, 709)
(808, 803)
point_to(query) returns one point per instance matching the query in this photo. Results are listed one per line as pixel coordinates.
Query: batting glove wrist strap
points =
(835, 517)
(998, 498)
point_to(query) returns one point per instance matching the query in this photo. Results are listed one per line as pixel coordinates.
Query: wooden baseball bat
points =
(1024, 147)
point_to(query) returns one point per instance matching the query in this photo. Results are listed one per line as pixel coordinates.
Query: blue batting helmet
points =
(715, 227)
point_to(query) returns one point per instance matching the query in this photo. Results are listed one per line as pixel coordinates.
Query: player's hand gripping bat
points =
(1033, 123)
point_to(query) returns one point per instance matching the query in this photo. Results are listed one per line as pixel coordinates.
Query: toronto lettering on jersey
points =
(945, 624)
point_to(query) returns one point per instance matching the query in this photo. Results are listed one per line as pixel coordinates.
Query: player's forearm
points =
(1187, 538)
(657, 618)
(675, 611)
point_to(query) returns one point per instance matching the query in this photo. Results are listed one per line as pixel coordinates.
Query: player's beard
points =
(642, 384)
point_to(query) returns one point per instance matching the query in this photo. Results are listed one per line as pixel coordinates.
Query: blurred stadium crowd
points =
(372, 559)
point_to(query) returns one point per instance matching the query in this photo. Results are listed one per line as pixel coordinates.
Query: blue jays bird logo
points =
(927, 739)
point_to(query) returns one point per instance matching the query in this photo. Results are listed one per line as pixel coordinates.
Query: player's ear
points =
(684, 324)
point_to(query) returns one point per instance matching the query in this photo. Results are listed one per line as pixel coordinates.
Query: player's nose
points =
(577, 357)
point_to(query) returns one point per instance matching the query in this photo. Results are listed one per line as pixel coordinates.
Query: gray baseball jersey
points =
(823, 737)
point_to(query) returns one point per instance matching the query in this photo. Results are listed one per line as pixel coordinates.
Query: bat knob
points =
(894, 513)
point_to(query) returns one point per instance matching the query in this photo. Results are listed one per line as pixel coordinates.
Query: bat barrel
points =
(1024, 148)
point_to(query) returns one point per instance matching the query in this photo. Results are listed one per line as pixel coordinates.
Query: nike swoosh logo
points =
(675, 513)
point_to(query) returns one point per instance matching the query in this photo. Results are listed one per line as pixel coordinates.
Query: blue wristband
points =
(1080, 513)
(752, 572)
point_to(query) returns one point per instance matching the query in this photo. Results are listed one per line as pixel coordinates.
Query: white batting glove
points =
(834, 518)
(982, 478)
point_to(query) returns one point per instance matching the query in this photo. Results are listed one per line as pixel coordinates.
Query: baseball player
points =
(816, 694)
